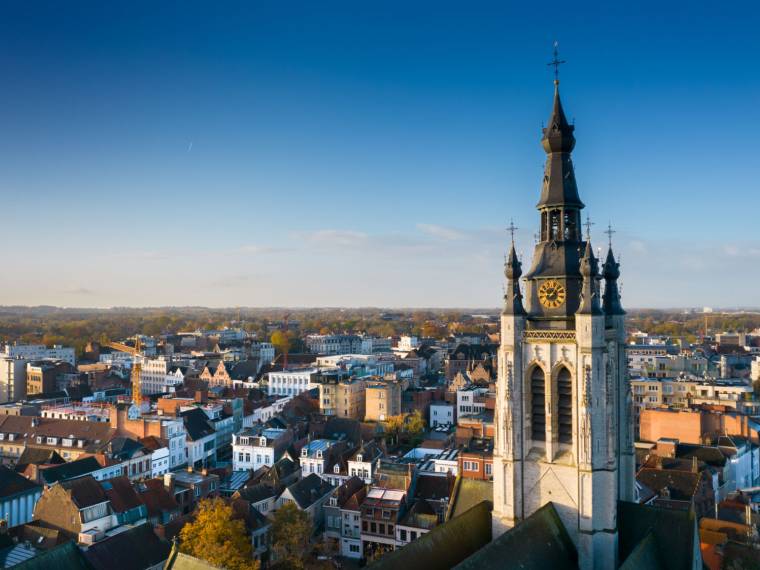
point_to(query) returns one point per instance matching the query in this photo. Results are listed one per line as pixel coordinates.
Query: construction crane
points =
(136, 366)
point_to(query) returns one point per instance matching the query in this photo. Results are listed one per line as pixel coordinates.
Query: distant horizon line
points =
(700, 309)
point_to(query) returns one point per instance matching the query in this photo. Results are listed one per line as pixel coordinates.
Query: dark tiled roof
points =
(156, 497)
(197, 424)
(309, 489)
(70, 470)
(85, 491)
(673, 532)
(520, 545)
(122, 495)
(446, 545)
(11, 483)
(67, 556)
(467, 493)
(710, 455)
(134, 549)
(680, 484)
(433, 487)
(256, 493)
(123, 448)
(36, 456)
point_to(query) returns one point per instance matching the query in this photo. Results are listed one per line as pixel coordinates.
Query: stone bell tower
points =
(564, 427)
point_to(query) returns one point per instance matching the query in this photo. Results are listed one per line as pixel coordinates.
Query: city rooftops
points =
(316, 447)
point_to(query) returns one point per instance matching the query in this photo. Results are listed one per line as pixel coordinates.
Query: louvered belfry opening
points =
(537, 399)
(565, 405)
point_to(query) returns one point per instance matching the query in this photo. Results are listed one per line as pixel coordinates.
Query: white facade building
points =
(40, 352)
(441, 413)
(254, 448)
(291, 382)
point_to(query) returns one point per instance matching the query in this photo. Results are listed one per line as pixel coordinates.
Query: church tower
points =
(564, 426)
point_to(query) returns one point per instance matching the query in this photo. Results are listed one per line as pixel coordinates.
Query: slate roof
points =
(123, 448)
(196, 424)
(673, 533)
(67, 556)
(680, 484)
(11, 483)
(256, 493)
(37, 456)
(520, 545)
(121, 493)
(434, 487)
(446, 545)
(466, 494)
(421, 515)
(133, 549)
(309, 489)
(71, 470)
(85, 491)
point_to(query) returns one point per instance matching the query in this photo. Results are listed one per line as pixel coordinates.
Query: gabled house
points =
(351, 527)
(364, 461)
(332, 508)
(78, 508)
(18, 496)
(309, 495)
(125, 502)
(201, 438)
(158, 497)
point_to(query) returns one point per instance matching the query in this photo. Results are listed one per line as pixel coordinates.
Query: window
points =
(565, 406)
(538, 413)
(489, 468)
(402, 535)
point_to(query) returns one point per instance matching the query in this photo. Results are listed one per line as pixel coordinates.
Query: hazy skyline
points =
(353, 155)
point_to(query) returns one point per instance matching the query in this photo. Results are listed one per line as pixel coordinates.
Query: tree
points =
(291, 530)
(393, 426)
(218, 539)
(415, 423)
(281, 341)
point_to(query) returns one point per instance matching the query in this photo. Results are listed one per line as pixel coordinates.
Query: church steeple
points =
(611, 272)
(589, 291)
(559, 188)
(512, 297)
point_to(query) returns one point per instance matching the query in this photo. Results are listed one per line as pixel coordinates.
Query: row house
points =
(216, 376)
(291, 382)
(351, 526)
(257, 446)
(263, 411)
(333, 509)
(135, 459)
(319, 455)
(380, 512)
(475, 460)
(201, 438)
(69, 438)
(364, 461)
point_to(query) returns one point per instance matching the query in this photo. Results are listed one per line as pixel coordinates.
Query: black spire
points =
(611, 299)
(559, 188)
(589, 291)
(513, 298)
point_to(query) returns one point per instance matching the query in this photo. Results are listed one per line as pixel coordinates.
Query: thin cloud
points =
(259, 249)
(336, 237)
(441, 232)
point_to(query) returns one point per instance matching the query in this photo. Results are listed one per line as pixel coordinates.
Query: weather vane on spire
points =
(609, 231)
(512, 228)
(556, 62)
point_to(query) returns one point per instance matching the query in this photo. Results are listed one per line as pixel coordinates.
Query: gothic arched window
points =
(554, 224)
(565, 405)
(537, 410)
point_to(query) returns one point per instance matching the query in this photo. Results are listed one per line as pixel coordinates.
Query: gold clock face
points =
(551, 294)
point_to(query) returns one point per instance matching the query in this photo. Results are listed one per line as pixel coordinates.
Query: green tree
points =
(291, 530)
(217, 538)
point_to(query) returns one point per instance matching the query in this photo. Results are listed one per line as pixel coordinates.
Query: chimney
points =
(169, 482)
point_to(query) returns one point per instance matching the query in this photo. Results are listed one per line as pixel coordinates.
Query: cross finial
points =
(588, 225)
(609, 231)
(556, 62)
(511, 228)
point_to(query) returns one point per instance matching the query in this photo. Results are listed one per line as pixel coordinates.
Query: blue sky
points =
(367, 154)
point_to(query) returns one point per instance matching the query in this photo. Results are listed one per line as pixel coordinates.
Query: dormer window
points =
(359, 458)
(304, 452)
(11, 437)
(2, 436)
(336, 469)
(52, 440)
(263, 442)
(319, 454)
